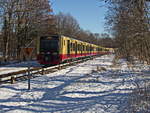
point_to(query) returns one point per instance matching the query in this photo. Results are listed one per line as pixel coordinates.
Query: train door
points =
(68, 48)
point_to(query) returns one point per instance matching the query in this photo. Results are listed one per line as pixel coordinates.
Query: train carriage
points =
(57, 48)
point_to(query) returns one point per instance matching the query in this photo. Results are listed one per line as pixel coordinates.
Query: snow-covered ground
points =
(95, 86)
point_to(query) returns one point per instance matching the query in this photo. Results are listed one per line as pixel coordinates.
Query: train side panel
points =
(70, 48)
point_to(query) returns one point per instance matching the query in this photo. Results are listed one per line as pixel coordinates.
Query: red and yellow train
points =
(57, 49)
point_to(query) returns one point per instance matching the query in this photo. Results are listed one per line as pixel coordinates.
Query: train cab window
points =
(48, 45)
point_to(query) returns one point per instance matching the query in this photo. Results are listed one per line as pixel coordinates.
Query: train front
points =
(49, 51)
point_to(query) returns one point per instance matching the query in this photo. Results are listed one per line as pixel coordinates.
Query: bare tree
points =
(66, 25)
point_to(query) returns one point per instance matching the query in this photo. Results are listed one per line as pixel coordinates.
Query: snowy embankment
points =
(95, 86)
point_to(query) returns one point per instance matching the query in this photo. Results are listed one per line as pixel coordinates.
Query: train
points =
(56, 49)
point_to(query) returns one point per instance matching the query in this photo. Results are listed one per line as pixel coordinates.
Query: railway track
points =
(21, 75)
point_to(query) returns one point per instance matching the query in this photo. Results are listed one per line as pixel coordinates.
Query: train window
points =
(71, 46)
(64, 42)
(74, 46)
(83, 48)
(100, 49)
(80, 47)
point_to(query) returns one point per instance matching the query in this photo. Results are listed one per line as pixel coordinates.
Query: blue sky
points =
(88, 13)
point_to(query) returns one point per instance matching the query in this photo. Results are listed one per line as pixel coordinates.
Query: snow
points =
(77, 89)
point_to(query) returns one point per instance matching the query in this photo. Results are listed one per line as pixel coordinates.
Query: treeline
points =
(23, 21)
(68, 26)
(130, 24)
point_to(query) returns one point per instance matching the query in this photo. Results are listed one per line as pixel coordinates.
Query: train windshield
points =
(49, 45)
